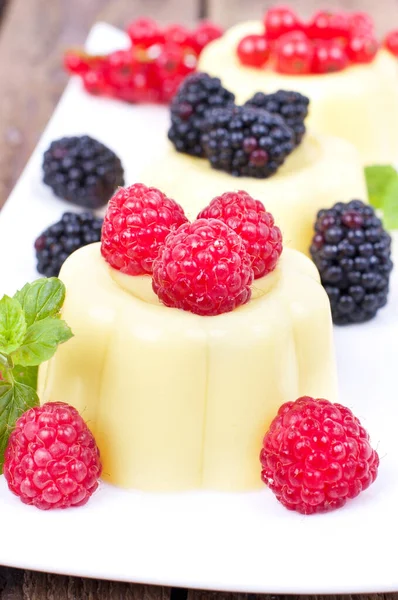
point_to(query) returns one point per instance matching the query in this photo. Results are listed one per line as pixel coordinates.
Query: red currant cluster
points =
(151, 69)
(329, 42)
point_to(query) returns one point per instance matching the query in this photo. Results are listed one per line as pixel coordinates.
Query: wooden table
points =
(33, 35)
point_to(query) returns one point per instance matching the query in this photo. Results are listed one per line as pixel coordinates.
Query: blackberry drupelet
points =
(291, 106)
(246, 141)
(196, 95)
(59, 240)
(82, 171)
(353, 254)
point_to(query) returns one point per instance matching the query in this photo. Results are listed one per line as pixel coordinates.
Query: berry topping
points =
(246, 141)
(360, 23)
(52, 460)
(136, 224)
(329, 57)
(253, 50)
(145, 33)
(203, 268)
(291, 106)
(294, 54)
(82, 170)
(205, 33)
(362, 48)
(280, 20)
(316, 455)
(197, 94)
(59, 240)
(391, 42)
(249, 219)
(326, 25)
(353, 254)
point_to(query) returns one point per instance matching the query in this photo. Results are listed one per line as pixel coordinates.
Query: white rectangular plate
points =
(237, 542)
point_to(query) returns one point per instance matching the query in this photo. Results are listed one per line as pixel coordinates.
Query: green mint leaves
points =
(30, 331)
(382, 182)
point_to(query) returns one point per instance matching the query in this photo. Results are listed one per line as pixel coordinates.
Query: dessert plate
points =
(237, 542)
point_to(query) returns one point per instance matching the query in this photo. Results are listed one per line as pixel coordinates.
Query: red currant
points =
(179, 35)
(76, 63)
(360, 23)
(326, 25)
(329, 56)
(95, 83)
(391, 42)
(253, 50)
(205, 33)
(280, 20)
(145, 33)
(294, 54)
(362, 48)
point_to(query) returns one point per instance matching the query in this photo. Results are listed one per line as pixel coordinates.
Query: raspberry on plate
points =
(316, 455)
(52, 460)
(253, 50)
(249, 219)
(353, 254)
(136, 224)
(203, 268)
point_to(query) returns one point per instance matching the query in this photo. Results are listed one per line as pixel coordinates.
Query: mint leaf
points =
(41, 341)
(390, 205)
(41, 299)
(378, 179)
(14, 400)
(26, 375)
(12, 324)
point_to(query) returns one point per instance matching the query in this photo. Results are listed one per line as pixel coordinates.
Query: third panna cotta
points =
(335, 60)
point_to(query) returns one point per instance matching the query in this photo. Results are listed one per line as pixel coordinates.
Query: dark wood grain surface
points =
(33, 35)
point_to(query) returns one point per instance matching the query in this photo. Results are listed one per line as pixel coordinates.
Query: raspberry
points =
(52, 460)
(136, 224)
(280, 20)
(145, 33)
(362, 49)
(249, 219)
(391, 42)
(329, 57)
(294, 54)
(326, 25)
(316, 455)
(205, 33)
(253, 50)
(203, 268)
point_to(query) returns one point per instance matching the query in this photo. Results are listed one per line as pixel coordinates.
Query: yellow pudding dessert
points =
(358, 103)
(178, 401)
(321, 171)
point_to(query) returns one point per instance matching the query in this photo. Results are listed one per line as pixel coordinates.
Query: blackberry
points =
(353, 254)
(195, 96)
(59, 240)
(291, 106)
(82, 171)
(246, 141)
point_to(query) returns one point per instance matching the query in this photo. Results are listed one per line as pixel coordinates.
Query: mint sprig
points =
(382, 183)
(30, 331)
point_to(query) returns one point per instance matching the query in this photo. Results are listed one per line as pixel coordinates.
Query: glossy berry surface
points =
(145, 33)
(353, 254)
(203, 268)
(253, 50)
(280, 20)
(57, 242)
(362, 49)
(136, 224)
(294, 54)
(205, 32)
(316, 456)
(52, 460)
(327, 25)
(329, 57)
(197, 94)
(82, 171)
(246, 141)
(249, 219)
(391, 42)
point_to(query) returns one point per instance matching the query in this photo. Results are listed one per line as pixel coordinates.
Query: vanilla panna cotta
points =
(359, 103)
(178, 401)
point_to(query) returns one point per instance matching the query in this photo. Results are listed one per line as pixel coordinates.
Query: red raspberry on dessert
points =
(203, 268)
(136, 224)
(294, 54)
(253, 50)
(362, 49)
(52, 460)
(249, 219)
(329, 57)
(316, 455)
(391, 42)
(280, 20)
(145, 33)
